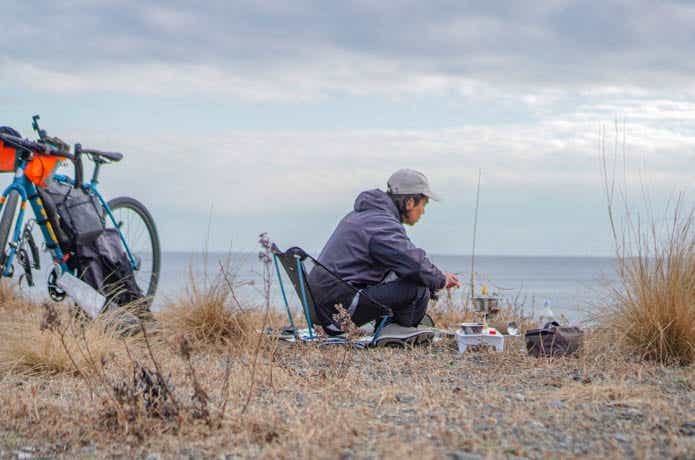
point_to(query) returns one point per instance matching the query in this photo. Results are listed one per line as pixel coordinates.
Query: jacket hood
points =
(376, 200)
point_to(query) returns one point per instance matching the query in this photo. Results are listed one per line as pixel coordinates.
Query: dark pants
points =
(407, 300)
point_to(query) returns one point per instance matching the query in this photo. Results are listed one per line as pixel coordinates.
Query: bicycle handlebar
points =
(45, 149)
(32, 146)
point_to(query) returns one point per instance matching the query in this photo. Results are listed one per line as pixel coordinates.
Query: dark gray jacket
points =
(368, 244)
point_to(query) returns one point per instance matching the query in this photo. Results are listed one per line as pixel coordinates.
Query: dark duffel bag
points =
(554, 340)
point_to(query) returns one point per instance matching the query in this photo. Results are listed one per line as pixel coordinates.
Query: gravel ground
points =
(430, 402)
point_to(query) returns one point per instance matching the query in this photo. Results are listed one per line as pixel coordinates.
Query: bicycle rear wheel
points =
(9, 212)
(140, 232)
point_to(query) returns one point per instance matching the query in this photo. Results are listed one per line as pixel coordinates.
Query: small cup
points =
(472, 328)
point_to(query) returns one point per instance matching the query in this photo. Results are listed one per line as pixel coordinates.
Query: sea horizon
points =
(571, 285)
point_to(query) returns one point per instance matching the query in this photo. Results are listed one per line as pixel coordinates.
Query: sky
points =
(241, 117)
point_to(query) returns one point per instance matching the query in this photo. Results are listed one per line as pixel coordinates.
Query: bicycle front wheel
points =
(9, 212)
(140, 232)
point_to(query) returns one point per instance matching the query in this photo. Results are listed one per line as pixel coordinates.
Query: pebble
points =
(405, 398)
(537, 425)
(439, 414)
(23, 453)
(189, 453)
(346, 455)
(688, 428)
(556, 404)
(621, 437)
(631, 413)
(519, 397)
(463, 455)
(300, 400)
(153, 456)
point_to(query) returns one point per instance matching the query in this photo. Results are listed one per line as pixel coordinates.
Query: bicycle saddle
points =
(111, 156)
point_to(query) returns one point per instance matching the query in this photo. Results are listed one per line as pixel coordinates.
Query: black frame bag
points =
(76, 215)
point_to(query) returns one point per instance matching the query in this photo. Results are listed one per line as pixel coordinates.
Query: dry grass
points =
(655, 305)
(430, 402)
(447, 311)
(209, 314)
(28, 347)
(652, 315)
(653, 309)
(9, 294)
(256, 398)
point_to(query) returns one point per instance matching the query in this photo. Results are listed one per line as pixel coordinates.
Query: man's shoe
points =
(426, 321)
(395, 335)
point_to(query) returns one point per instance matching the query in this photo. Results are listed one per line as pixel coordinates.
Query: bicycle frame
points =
(27, 192)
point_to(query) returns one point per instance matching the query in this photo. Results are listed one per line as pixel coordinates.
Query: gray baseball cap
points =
(411, 182)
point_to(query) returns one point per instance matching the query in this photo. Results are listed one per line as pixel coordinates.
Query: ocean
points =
(575, 287)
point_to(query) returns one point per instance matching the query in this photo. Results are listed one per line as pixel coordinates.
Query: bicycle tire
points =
(124, 203)
(9, 209)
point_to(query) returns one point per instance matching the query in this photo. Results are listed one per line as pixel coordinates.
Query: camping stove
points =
(487, 305)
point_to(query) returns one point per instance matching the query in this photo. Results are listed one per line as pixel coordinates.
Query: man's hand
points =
(451, 281)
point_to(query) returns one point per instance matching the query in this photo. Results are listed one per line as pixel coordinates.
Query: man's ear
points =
(409, 204)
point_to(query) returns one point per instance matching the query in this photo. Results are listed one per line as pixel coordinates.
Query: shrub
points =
(654, 305)
(209, 313)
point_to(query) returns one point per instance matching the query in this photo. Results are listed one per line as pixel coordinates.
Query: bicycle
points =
(33, 164)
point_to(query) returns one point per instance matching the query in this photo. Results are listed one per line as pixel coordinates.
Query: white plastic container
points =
(494, 340)
(84, 295)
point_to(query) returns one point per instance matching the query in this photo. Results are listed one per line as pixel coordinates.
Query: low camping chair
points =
(292, 260)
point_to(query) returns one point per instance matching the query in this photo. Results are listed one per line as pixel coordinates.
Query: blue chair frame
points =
(292, 261)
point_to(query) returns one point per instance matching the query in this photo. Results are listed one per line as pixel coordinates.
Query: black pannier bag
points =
(554, 340)
(95, 253)
(104, 265)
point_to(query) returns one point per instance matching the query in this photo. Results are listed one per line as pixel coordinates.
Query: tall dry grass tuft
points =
(654, 306)
(209, 314)
(653, 310)
(30, 345)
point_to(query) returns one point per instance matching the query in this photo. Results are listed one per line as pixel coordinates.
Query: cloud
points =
(249, 173)
(294, 50)
(327, 100)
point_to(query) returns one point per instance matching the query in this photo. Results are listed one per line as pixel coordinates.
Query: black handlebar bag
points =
(554, 340)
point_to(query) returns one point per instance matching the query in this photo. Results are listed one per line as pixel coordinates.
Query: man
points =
(371, 251)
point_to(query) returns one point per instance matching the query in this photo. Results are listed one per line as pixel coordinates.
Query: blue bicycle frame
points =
(27, 191)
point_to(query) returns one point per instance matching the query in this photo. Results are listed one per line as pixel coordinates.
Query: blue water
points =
(574, 286)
